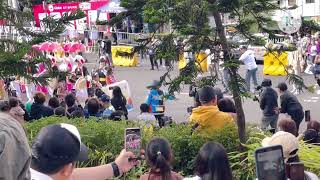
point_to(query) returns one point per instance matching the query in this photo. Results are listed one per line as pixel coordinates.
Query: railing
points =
(127, 38)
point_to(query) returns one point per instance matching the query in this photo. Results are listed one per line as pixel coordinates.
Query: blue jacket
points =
(155, 98)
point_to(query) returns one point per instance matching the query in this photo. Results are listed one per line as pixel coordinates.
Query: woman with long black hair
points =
(119, 102)
(212, 163)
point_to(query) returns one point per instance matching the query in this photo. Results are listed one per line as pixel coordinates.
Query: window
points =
(309, 1)
(292, 2)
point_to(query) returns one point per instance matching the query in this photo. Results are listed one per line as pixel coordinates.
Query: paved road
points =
(139, 77)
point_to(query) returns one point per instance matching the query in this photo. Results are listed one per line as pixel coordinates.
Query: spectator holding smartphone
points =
(159, 157)
(56, 149)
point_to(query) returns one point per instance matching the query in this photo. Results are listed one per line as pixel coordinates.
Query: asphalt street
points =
(139, 77)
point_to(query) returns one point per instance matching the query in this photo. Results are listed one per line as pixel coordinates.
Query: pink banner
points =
(59, 9)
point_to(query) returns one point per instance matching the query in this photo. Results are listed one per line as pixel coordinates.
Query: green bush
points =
(105, 140)
(243, 163)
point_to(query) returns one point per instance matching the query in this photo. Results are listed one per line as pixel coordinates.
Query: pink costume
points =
(41, 71)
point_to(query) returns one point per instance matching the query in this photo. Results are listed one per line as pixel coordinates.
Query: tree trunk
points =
(233, 77)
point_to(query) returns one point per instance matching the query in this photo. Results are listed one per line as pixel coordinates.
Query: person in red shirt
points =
(110, 77)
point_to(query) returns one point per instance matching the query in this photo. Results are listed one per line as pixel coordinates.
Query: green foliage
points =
(309, 26)
(244, 162)
(105, 140)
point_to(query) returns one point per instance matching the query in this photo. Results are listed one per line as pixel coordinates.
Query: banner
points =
(57, 10)
(124, 86)
(81, 89)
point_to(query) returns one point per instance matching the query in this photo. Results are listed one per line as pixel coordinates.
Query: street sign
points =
(289, 23)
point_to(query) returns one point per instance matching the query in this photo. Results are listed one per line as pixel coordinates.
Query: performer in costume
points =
(101, 72)
(81, 70)
(110, 77)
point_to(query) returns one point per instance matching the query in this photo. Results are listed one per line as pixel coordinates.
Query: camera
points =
(256, 98)
(189, 109)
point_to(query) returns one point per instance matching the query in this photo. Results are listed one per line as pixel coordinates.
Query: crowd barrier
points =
(201, 58)
(275, 64)
(124, 60)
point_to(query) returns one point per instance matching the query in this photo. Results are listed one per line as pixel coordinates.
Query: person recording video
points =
(268, 102)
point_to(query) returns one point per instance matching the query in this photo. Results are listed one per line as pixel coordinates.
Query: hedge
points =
(105, 139)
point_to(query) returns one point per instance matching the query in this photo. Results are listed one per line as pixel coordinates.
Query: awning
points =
(112, 7)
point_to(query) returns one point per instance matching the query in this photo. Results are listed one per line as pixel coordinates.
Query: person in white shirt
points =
(56, 149)
(249, 60)
(147, 117)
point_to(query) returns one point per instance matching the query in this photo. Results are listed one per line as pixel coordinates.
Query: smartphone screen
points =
(296, 171)
(270, 163)
(307, 115)
(133, 140)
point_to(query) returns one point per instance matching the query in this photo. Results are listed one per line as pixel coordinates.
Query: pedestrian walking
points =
(152, 54)
(249, 59)
(107, 49)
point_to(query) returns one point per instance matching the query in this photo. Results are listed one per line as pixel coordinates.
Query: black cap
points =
(282, 86)
(266, 83)
(206, 94)
(56, 146)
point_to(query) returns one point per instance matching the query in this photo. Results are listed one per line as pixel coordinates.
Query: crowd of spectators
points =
(54, 158)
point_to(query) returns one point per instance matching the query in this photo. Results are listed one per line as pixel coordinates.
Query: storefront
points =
(91, 9)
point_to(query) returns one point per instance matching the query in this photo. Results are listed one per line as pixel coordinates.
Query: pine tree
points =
(189, 19)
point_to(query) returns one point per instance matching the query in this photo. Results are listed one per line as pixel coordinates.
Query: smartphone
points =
(295, 171)
(270, 163)
(307, 115)
(133, 141)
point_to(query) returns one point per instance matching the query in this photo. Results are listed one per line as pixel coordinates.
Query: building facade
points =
(308, 9)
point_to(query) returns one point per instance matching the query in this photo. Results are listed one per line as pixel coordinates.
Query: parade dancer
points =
(101, 72)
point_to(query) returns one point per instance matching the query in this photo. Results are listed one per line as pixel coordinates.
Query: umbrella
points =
(54, 47)
(75, 47)
(67, 47)
(36, 47)
(44, 46)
